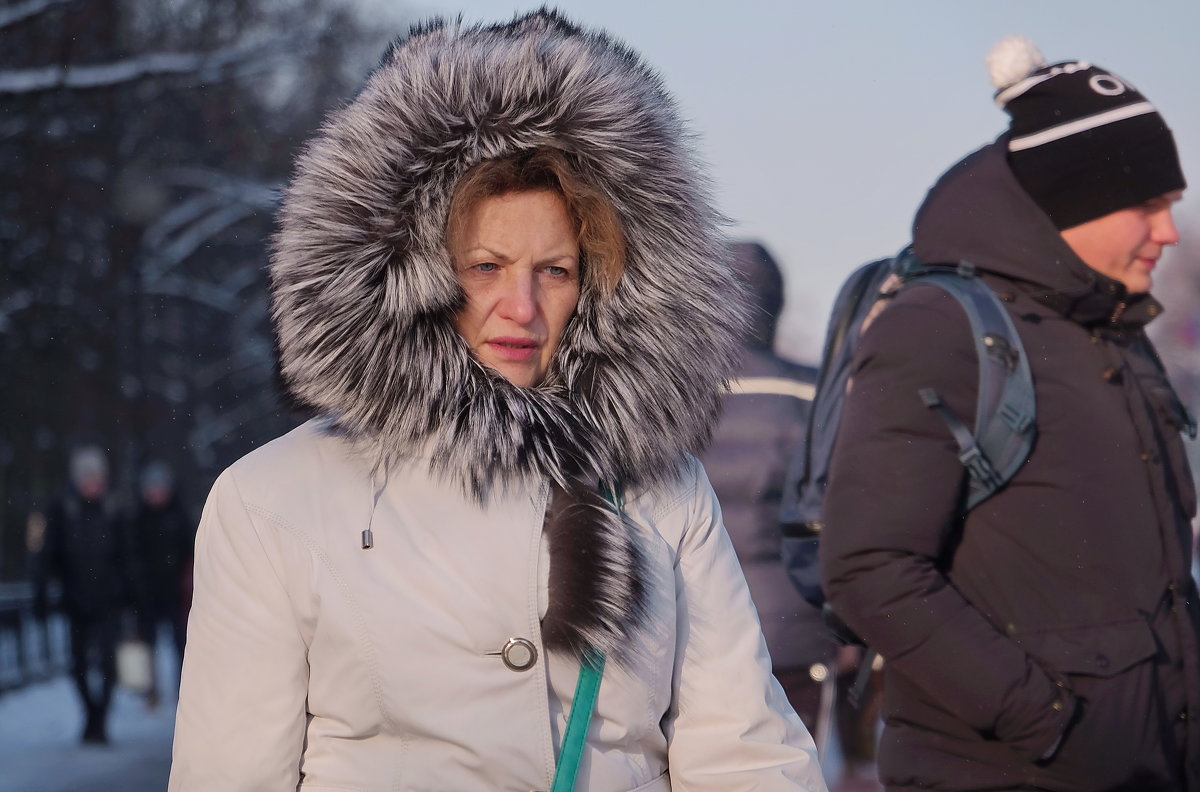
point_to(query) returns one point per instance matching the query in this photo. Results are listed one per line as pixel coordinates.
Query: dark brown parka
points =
(1048, 640)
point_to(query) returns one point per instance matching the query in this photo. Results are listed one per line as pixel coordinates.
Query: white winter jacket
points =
(313, 663)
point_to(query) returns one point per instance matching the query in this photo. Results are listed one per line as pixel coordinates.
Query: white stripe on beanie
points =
(1080, 125)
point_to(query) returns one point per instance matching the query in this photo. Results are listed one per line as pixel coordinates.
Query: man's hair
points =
(86, 462)
(598, 228)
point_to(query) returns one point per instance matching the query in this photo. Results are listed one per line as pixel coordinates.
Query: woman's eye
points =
(557, 272)
(486, 266)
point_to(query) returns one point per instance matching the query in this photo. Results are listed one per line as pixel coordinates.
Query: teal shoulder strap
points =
(575, 737)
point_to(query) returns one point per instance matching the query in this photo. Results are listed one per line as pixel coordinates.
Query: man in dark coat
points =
(86, 551)
(1047, 639)
(762, 421)
(163, 535)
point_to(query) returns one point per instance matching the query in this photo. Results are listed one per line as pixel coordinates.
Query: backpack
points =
(992, 452)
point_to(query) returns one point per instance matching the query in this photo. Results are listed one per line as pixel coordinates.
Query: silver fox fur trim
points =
(364, 292)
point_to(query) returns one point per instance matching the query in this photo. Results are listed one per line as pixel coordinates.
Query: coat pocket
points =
(1103, 650)
(1117, 735)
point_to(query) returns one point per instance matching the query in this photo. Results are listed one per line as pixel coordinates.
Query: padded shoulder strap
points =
(1006, 409)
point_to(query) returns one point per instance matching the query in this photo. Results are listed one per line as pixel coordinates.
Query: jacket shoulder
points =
(307, 460)
(921, 321)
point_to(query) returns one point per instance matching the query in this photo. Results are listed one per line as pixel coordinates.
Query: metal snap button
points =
(519, 654)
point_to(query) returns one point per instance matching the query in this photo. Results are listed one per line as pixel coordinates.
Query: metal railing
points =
(31, 650)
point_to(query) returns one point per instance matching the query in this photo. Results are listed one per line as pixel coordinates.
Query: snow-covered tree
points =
(142, 147)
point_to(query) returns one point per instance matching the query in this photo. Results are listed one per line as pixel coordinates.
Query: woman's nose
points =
(519, 300)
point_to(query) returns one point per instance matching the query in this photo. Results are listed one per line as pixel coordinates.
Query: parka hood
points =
(978, 212)
(364, 292)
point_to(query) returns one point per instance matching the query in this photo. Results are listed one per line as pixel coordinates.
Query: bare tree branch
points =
(188, 242)
(224, 297)
(11, 304)
(258, 194)
(181, 231)
(22, 11)
(203, 65)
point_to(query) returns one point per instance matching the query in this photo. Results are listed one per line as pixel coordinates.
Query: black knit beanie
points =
(1082, 141)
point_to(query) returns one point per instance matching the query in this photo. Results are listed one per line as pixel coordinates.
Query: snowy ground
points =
(40, 751)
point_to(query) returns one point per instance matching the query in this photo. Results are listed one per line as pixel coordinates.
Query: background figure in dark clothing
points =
(762, 422)
(162, 538)
(86, 551)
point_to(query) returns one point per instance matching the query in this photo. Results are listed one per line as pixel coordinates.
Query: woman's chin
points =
(521, 374)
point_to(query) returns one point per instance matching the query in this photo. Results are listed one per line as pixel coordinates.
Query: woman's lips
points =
(514, 349)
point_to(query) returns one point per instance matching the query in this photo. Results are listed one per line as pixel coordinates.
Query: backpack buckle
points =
(1018, 420)
(999, 347)
(979, 468)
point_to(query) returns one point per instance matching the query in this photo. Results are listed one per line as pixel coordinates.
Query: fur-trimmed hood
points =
(364, 292)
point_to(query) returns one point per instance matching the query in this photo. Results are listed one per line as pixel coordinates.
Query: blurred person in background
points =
(762, 421)
(490, 562)
(162, 534)
(85, 548)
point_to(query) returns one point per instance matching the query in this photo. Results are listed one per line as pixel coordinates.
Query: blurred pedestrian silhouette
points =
(762, 423)
(85, 550)
(162, 534)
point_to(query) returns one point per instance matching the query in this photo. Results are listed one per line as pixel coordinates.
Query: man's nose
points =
(519, 301)
(1165, 230)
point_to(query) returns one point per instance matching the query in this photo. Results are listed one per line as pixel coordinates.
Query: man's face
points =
(1125, 245)
(92, 487)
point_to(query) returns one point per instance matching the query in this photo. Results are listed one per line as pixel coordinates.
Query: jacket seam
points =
(370, 655)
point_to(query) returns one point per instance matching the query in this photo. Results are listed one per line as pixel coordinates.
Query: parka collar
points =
(978, 212)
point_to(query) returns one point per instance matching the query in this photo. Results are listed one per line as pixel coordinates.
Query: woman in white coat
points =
(498, 286)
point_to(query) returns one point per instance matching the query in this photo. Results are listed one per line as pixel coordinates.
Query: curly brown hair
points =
(598, 229)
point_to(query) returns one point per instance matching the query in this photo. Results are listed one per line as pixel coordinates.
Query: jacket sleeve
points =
(891, 512)
(241, 718)
(729, 726)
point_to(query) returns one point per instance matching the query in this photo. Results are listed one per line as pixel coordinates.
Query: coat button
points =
(519, 654)
(1057, 706)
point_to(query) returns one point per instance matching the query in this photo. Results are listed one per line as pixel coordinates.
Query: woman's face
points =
(518, 262)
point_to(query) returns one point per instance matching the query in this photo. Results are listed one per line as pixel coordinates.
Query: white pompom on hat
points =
(1013, 58)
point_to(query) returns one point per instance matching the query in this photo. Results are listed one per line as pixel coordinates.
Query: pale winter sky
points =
(823, 124)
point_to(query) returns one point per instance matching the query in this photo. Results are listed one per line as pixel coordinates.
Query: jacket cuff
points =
(1037, 732)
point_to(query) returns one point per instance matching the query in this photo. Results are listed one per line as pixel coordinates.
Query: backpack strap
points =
(1005, 409)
